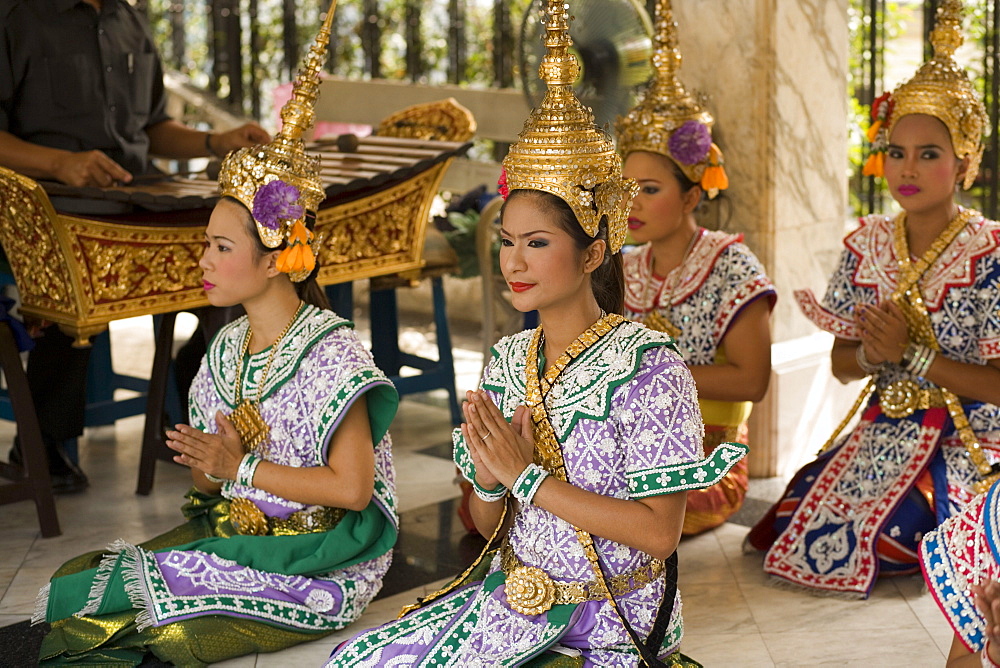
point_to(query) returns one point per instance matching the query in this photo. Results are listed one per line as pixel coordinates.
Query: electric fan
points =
(613, 42)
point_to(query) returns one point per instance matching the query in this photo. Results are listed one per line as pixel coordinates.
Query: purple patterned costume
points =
(625, 413)
(300, 582)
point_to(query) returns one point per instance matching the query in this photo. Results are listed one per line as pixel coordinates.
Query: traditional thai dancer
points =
(704, 288)
(961, 564)
(913, 305)
(292, 520)
(582, 440)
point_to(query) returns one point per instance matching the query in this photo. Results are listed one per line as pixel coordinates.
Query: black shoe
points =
(66, 476)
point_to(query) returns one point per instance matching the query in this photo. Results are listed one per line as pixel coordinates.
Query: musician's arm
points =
(174, 140)
(86, 168)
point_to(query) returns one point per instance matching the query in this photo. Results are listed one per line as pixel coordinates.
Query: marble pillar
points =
(774, 76)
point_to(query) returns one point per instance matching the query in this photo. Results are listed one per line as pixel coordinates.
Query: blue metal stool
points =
(434, 374)
(102, 381)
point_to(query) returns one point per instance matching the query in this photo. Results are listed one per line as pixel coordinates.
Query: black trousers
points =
(57, 378)
(188, 357)
(57, 373)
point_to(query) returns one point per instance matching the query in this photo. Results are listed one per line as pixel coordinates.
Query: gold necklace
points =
(907, 293)
(908, 297)
(653, 319)
(246, 417)
(547, 452)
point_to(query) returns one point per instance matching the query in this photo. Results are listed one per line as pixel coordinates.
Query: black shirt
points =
(77, 79)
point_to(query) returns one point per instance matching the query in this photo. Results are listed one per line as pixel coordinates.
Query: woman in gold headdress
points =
(704, 288)
(291, 523)
(913, 305)
(582, 440)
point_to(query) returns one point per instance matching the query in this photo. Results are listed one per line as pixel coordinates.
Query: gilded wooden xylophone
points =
(83, 272)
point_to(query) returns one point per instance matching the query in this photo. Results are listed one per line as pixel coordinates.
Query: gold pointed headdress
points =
(279, 182)
(668, 120)
(941, 89)
(561, 151)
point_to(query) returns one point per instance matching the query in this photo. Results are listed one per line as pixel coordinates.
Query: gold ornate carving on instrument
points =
(83, 273)
(444, 120)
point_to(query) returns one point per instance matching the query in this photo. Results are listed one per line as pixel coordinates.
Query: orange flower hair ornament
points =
(298, 259)
(714, 178)
(878, 135)
(276, 208)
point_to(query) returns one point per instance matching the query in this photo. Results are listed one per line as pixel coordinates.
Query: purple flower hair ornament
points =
(276, 201)
(690, 143)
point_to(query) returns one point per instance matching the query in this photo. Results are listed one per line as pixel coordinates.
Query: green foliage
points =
(463, 240)
(893, 21)
(348, 58)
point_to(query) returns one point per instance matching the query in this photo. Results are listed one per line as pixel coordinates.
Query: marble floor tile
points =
(419, 480)
(21, 594)
(6, 577)
(779, 610)
(6, 620)
(715, 607)
(886, 648)
(746, 649)
(914, 590)
(700, 559)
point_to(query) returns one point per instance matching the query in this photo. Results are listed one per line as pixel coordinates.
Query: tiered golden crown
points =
(246, 171)
(668, 120)
(941, 89)
(561, 151)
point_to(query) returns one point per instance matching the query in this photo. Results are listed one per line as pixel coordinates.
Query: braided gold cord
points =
(907, 296)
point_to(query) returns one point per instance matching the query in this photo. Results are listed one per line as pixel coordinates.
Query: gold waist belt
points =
(901, 398)
(249, 520)
(531, 591)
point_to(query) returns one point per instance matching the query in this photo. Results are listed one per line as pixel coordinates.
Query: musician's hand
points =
(217, 454)
(248, 134)
(884, 333)
(89, 168)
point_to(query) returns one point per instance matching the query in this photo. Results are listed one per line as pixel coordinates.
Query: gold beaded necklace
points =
(908, 297)
(246, 417)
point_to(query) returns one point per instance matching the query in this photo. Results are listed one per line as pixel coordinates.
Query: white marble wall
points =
(774, 72)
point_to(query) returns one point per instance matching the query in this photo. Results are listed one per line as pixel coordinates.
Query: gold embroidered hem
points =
(534, 587)
(249, 520)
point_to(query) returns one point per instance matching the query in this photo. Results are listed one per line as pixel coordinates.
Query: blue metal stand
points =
(102, 381)
(435, 374)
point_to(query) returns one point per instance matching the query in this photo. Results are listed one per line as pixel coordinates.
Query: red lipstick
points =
(521, 287)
